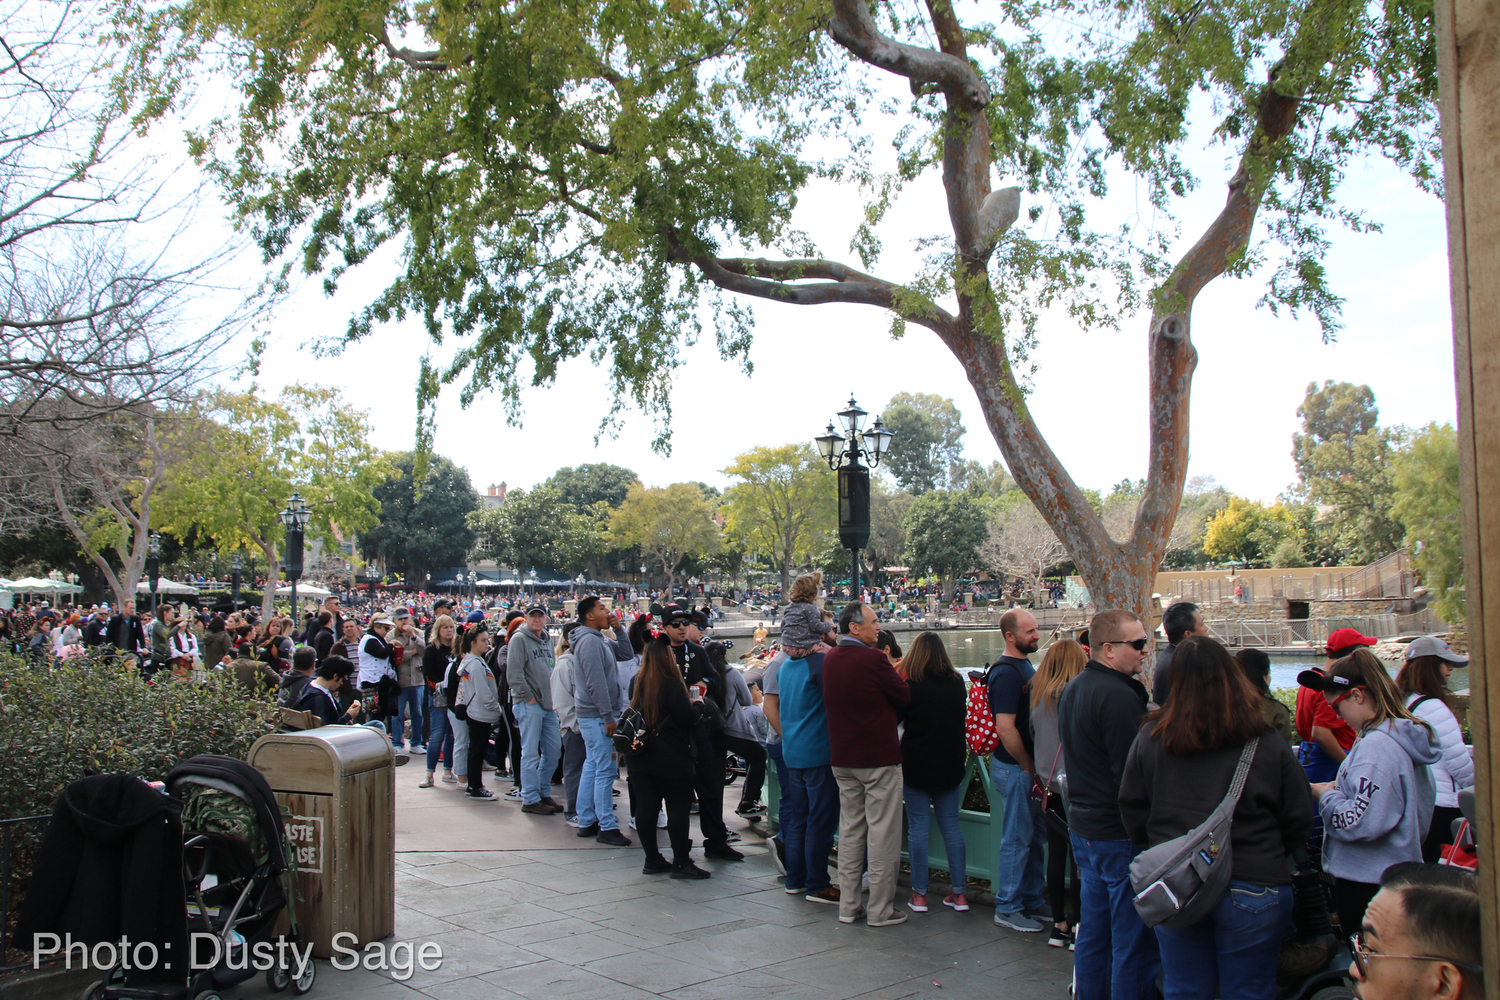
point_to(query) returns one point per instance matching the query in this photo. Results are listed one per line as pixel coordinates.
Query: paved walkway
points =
(523, 910)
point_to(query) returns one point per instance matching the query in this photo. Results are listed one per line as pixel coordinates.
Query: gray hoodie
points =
(1380, 805)
(528, 668)
(596, 682)
(477, 691)
(562, 691)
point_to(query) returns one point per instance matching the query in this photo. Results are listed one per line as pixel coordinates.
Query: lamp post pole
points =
(236, 564)
(295, 517)
(153, 566)
(843, 452)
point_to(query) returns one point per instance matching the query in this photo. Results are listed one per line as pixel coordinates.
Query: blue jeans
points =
(410, 706)
(596, 786)
(440, 741)
(1023, 842)
(541, 746)
(813, 795)
(919, 807)
(1231, 953)
(1116, 956)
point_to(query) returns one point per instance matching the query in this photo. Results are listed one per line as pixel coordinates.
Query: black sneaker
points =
(778, 855)
(656, 866)
(723, 852)
(589, 831)
(614, 838)
(750, 810)
(482, 793)
(689, 870)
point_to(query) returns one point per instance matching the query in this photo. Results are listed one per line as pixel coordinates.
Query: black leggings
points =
(1349, 902)
(649, 792)
(1439, 832)
(479, 744)
(1062, 895)
(755, 761)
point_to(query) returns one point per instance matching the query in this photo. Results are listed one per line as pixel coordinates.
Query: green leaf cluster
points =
(1426, 502)
(538, 529)
(426, 529)
(783, 506)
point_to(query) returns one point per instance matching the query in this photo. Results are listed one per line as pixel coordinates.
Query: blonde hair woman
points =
(437, 660)
(1377, 809)
(1063, 661)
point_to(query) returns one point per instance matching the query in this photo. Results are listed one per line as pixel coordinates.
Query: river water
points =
(972, 649)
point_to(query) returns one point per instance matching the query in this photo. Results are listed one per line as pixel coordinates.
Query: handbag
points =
(1040, 789)
(1179, 881)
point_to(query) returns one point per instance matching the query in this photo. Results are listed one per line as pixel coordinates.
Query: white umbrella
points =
(32, 585)
(304, 590)
(165, 586)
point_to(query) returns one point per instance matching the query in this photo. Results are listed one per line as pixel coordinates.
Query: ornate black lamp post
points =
(295, 517)
(153, 566)
(842, 452)
(236, 565)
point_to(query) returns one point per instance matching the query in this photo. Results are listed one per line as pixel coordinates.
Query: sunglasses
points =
(1136, 644)
(1339, 700)
(1362, 954)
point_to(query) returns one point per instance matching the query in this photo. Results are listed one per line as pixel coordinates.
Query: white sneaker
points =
(864, 882)
(632, 822)
(514, 795)
(661, 820)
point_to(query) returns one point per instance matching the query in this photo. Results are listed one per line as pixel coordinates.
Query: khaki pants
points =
(869, 825)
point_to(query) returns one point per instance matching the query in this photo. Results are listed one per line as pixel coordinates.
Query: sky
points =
(1090, 391)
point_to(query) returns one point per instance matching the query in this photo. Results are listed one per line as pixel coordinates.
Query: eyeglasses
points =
(1363, 954)
(1139, 645)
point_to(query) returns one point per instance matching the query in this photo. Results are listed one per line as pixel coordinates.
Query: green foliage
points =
(593, 483)
(1344, 461)
(1427, 504)
(92, 716)
(538, 528)
(233, 486)
(783, 506)
(422, 531)
(1249, 532)
(888, 510)
(927, 451)
(944, 530)
(668, 523)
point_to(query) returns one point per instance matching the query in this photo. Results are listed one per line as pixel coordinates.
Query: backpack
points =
(1179, 881)
(979, 721)
(632, 735)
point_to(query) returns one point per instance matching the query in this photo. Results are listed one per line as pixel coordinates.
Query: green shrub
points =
(1288, 697)
(94, 716)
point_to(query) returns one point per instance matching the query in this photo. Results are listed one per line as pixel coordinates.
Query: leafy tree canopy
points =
(944, 530)
(668, 524)
(424, 530)
(537, 528)
(597, 482)
(783, 505)
(1249, 532)
(1427, 504)
(927, 451)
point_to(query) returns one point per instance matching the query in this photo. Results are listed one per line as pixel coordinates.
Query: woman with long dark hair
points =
(478, 704)
(1063, 661)
(1423, 681)
(664, 771)
(1179, 769)
(934, 758)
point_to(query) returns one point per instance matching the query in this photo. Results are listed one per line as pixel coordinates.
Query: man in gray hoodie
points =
(596, 695)
(528, 668)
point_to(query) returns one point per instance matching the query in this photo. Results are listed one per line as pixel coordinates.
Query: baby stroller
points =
(234, 860)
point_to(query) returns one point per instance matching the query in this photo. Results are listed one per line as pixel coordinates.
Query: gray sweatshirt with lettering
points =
(1380, 805)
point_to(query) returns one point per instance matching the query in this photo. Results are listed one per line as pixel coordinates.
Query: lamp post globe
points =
(843, 453)
(153, 566)
(295, 516)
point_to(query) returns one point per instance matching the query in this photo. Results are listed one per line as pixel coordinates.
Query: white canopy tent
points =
(165, 586)
(304, 590)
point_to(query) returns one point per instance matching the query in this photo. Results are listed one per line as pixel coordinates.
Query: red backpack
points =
(979, 722)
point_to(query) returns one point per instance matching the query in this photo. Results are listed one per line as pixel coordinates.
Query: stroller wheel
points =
(301, 984)
(1335, 993)
(208, 995)
(278, 978)
(93, 991)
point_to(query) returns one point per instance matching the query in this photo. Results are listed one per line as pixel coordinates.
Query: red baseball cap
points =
(1344, 639)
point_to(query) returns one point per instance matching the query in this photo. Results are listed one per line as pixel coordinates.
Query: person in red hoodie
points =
(864, 695)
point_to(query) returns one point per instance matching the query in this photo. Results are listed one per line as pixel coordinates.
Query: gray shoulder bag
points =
(1179, 881)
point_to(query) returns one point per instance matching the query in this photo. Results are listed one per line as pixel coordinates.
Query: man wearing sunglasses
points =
(1098, 716)
(1420, 937)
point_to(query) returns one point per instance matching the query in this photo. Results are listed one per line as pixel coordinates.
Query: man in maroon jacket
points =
(863, 694)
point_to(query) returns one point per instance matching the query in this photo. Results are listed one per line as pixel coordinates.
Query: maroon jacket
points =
(862, 694)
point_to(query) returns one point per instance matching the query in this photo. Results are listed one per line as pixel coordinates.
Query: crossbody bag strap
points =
(1241, 771)
(1053, 773)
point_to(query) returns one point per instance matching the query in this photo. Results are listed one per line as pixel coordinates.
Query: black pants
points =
(511, 730)
(708, 785)
(649, 793)
(755, 761)
(1440, 832)
(1062, 895)
(1349, 902)
(479, 744)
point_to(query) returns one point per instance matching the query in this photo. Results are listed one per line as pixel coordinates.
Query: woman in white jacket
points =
(1423, 682)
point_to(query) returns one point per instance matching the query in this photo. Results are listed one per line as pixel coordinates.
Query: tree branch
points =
(423, 60)
(853, 28)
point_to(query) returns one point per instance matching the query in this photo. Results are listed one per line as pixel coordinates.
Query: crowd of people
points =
(1360, 782)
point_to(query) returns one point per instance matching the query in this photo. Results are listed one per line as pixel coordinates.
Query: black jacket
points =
(1163, 796)
(671, 750)
(126, 633)
(1098, 715)
(933, 749)
(110, 865)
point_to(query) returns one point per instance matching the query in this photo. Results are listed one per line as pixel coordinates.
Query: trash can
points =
(336, 786)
